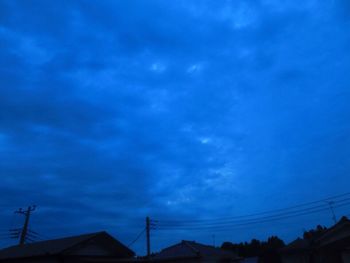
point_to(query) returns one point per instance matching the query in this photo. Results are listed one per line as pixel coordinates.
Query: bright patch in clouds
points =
(205, 140)
(194, 68)
(158, 67)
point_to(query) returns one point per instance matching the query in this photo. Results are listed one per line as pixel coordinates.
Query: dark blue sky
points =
(114, 110)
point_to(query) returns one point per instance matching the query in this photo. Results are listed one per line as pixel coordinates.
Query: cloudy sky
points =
(114, 110)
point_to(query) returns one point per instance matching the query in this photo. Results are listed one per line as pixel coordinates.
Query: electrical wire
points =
(224, 225)
(238, 225)
(138, 236)
(253, 220)
(332, 198)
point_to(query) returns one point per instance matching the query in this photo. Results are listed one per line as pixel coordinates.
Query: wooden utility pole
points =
(26, 213)
(148, 227)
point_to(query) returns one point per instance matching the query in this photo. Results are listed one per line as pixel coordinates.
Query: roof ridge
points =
(81, 235)
(191, 247)
(344, 220)
(88, 238)
(89, 235)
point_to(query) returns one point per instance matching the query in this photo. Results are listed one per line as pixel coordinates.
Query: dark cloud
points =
(113, 111)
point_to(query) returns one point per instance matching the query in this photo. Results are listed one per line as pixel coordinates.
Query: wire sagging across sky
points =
(257, 218)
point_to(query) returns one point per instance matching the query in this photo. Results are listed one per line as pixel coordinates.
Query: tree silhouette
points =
(314, 233)
(267, 251)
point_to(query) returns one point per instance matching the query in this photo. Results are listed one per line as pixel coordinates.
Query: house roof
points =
(305, 244)
(192, 249)
(64, 246)
(344, 221)
(297, 245)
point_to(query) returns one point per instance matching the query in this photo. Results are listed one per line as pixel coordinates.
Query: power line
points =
(38, 235)
(242, 224)
(238, 225)
(273, 216)
(225, 223)
(137, 238)
(5, 238)
(217, 225)
(229, 219)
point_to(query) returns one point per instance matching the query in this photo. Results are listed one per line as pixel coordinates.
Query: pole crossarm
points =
(26, 213)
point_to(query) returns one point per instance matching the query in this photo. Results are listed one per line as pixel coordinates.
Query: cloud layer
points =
(112, 111)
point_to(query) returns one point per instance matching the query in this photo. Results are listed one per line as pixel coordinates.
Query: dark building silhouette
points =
(329, 246)
(95, 247)
(191, 251)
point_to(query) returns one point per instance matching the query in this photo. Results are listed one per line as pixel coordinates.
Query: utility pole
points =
(148, 228)
(26, 213)
(330, 203)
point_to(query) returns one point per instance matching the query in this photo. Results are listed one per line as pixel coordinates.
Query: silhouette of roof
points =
(297, 245)
(305, 244)
(64, 246)
(192, 249)
(342, 222)
(334, 230)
